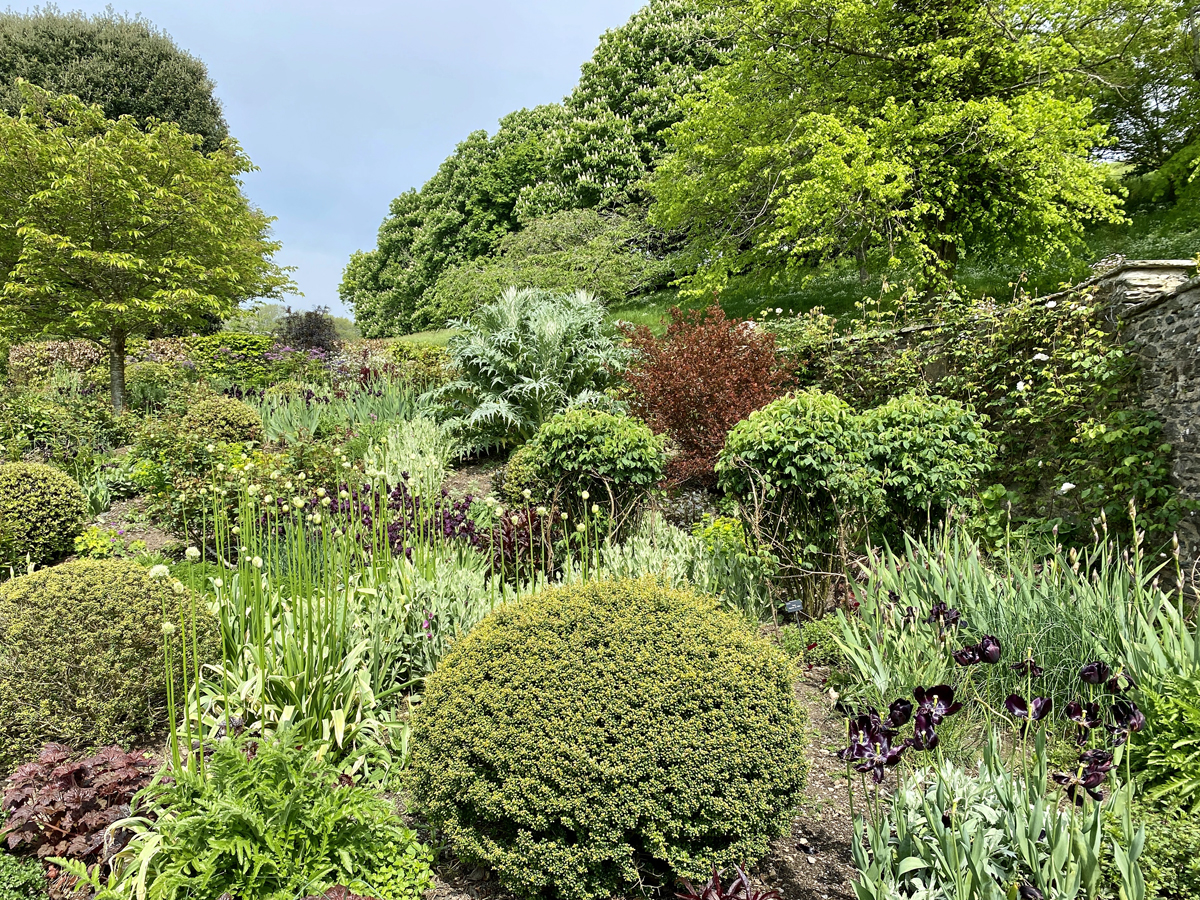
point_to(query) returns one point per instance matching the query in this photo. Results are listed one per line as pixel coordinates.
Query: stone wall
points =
(1157, 306)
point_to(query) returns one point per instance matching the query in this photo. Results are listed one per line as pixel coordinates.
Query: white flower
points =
(1052, 304)
(1020, 385)
(257, 562)
(177, 586)
(1066, 487)
(298, 502)
(564, 516)
(778, 311)
(338, 533)
(220, 467)
(159, 572)
(235, 530)
(168, 628)
(585, 495)
(320, 492)
(579, 527)
(218, 583)
(516, 520)
(192, 553)
(317, 518)
(527, 493)
(325, 501)
(595, 508)
(210, 448)
(345, 465)
(1040, 357)
(541, 510)
(345, 495)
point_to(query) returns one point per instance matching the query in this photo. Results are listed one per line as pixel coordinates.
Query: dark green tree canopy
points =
(122, 64)
(592, 151)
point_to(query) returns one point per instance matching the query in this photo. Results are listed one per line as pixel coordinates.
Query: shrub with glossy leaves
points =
(42, 510)
(616, 460)
(81, 656)
(521, 360)
(699, 380)
(222, 420)
(929, 451)
(607, 735)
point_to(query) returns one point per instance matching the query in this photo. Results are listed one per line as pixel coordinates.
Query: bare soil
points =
(129, 517)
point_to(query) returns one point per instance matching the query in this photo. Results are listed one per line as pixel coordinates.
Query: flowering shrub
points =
(699, 380)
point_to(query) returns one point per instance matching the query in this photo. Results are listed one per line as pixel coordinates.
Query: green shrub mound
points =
(223, 420)
(81, 656)
(42, 510)
(603, 736)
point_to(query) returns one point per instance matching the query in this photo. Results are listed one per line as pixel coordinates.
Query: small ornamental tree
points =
(109, 231)
(699, 380)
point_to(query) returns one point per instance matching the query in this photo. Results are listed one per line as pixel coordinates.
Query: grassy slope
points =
(1170, 233)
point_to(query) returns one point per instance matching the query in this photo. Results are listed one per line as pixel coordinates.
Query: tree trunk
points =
(860, 255)
(116, 369)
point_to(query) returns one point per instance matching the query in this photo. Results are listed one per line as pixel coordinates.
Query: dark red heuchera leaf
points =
(740, 888)
(61, 807)
(705, 375)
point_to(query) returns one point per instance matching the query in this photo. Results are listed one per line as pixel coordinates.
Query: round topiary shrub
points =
(223, 420)
(617, 460)
(42, 510)
(598, 737)
(81, 655)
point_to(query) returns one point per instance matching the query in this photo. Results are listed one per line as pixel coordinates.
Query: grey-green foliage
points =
(418, 451)
(611, 254)
(522, 359)
(419, 608)
(950, 833)
(122, 63)
(682, 560)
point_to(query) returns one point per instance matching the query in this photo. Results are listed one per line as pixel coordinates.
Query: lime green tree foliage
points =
(611, 254)
(108, 231)
(917, 132)
(123, 64)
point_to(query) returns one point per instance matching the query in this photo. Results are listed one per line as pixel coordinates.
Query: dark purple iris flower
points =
(936, 702)
(1095, 673)
(989, 649)
(1029, 892)
(1028, 712)
(1127, 718)
(967, 656)
(1028, 667)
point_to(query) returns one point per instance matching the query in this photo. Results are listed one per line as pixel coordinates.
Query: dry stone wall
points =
(1156, 303)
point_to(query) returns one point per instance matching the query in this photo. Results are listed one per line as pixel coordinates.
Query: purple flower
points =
(1082, 784)
(1028, 892)
(924, 736)
(1120, 683)
(1028, 712)
(943, 614)
(936, 702)
(899, 713)
(877, 754)
(1087, 715)
(989, 649)
(1095, 673)
(967, 656)
(1127, 719)
(1028, 667)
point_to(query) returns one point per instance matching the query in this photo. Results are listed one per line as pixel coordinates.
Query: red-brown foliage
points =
(61, 806)
(699, 380)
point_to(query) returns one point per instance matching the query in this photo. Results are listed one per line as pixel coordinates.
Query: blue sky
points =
(345, 105)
